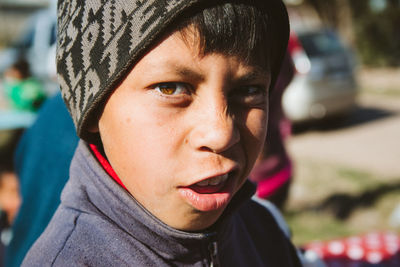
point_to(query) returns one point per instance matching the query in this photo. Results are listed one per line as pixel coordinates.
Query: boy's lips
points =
(209, 194)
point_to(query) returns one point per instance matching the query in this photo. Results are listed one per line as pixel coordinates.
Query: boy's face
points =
(182, 131)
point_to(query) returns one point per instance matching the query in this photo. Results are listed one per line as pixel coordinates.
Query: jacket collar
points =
(92, 190)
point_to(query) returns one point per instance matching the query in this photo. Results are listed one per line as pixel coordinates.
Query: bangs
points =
(231, 29)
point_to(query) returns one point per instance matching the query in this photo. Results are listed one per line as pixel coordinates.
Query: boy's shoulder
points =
(273, 212)
(259, 211)
(53, 240)
(74, 238)
(260, 236)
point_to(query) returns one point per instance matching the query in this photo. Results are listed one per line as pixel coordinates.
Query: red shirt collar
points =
(106, 165)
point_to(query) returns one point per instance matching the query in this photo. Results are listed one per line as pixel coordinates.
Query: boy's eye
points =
(249, 95)
(172, 88)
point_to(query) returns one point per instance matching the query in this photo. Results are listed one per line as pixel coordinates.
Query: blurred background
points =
(343, 106)
(345, 140)
(345, 114)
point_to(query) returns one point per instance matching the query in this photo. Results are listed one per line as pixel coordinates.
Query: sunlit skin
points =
(179, 118)
(10, 199)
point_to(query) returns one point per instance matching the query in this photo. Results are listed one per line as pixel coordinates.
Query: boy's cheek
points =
(255, 123)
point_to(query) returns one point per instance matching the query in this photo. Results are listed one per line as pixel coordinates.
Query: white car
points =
(324, 84)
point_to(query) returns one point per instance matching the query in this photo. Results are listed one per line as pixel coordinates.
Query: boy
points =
(170, 99)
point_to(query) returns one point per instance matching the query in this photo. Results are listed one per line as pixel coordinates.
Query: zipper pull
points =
(213, 250)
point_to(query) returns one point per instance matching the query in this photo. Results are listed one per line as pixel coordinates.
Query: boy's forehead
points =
(169, 58)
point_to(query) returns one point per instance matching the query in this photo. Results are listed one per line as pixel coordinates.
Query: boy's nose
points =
(215, 130)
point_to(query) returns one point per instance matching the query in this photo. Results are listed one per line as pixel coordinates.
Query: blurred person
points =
(273, 169)
(9, 186)
(9, 204)
(9, 196)
(141, 189)
(23, 91)
(42, 161)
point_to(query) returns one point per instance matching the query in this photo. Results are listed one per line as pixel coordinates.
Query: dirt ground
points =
(382, 79)
(347, 175)
(369, 140)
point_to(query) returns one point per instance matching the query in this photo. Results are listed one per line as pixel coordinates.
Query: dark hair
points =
(22, 66)
(235, 29)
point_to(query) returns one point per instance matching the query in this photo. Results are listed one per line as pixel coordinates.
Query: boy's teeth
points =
(203, 183)
(213, 181)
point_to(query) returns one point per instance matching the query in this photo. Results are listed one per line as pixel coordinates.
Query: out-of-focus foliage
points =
(375, 33)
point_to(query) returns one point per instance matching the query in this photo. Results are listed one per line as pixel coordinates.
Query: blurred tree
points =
(375, 33)
(335, 14)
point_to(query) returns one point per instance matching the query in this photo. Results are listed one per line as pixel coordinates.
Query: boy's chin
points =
(189, 219)
(199, 221)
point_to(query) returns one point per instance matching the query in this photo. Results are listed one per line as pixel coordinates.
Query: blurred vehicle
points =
(324, 84)
(34, 45)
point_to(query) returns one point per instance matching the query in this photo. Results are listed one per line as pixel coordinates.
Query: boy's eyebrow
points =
(254, 75)
(188, 73)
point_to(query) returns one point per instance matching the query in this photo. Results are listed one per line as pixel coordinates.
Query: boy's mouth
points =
(211, 185)
(211, 193)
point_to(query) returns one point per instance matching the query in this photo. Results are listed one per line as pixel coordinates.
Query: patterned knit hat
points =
(99, 41)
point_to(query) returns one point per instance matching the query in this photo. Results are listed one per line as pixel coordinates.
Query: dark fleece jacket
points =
(100, 224)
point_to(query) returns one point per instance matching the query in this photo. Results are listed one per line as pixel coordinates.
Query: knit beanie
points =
(99, 41)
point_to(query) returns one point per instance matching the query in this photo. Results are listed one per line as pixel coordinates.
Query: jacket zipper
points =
(213, 250)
